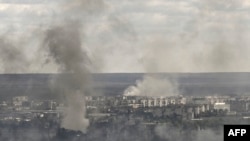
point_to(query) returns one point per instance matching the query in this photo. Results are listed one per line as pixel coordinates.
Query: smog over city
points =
(123, 70)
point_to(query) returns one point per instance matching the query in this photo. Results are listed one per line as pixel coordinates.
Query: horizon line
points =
(127, 73)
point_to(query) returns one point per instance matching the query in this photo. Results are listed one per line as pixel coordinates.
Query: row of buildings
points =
(20, 103)
(228, 104)
(189, 107)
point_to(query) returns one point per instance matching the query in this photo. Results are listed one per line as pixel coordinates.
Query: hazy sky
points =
(136, 35)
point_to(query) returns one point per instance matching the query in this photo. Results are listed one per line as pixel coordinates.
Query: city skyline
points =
(157, 70)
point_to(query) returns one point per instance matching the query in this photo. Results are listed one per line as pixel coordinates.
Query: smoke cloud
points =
(64, 46)
(204, 43)
(12, 58)
(153, 86)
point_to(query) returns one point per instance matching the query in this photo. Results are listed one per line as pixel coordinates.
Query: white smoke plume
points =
(203, 44)
(153, 86)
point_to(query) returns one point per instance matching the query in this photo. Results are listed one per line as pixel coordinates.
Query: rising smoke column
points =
(63, 44)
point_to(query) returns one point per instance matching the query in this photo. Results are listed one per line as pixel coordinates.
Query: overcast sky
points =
(136, 35)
